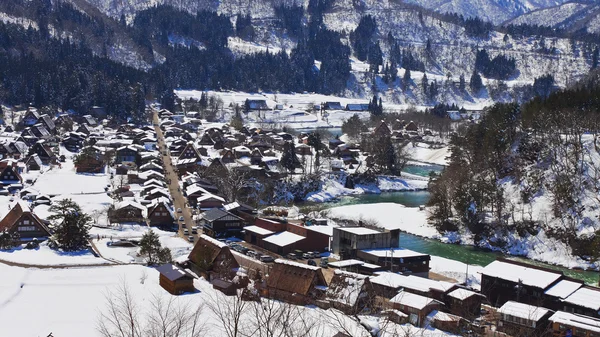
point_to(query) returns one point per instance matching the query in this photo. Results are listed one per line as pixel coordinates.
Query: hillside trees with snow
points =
(519, 160)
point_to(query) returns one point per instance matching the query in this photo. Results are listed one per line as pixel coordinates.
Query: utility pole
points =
(467, 274)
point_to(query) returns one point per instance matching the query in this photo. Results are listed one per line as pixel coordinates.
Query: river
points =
(462, 253)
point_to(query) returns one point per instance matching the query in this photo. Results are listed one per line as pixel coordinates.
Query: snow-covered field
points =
(389, 215)
(423, 153)
(67, 302)
(46, 256)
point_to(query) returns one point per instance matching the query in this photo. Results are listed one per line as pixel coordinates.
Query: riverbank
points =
(333, 189)
(414, 221)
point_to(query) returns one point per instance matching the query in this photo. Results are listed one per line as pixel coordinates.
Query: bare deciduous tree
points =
(123, 317)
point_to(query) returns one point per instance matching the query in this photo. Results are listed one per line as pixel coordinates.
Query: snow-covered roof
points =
(283, 239)
(521, 310)
(296, 264)
(563, 288)
(323, 229)
(412, 300)
(258, 230)
(462, 294)
(346, 263)
(393, 252)
(585, 297)
(576, 321)
(411, 282)
(207, 196)
(359, 230)
(442, 316)
(526, 275)
(213, 241)
(126, 203)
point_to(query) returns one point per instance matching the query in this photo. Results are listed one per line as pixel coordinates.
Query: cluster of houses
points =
(526, 300)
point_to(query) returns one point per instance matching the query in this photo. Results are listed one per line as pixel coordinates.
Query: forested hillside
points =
(526, 179)
(402, 53)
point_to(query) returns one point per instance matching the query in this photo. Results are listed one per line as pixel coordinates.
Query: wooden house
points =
(350, 292)
(227, 157)
(22, 220)
(175, 280)
(190, 152)
(584, 301)
(92, 160)
(569, 324)
(411, 126)
(48, 123)
(213, 259)
(500, 278)
(127, 153)
(33, 163)
(295, 283)
(519, 319)
(43, 151)
(464, 303)
(30, 118)
(127, 211)
(382, 130)
(85, 129)
(10, 176)
(256, 157)
(417, 307)
(219, 223)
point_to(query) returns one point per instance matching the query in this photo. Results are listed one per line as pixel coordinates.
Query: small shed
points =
(226, 287)
(175, 280)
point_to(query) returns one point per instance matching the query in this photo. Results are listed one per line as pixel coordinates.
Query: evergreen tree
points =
(71, 225)
(8, 240)
(475, 83)
(407, 78)
(375, 58)
(314, 140)
(375, 107)
(289, 160)
(237, 122)
(595, 56)
(152, 251)
(425, 84)
(462, 83)
(362, 37)
(393, 71)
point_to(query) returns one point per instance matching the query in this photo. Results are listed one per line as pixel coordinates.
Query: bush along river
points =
(463, 253)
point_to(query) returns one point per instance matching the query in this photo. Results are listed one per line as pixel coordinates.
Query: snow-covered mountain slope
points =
(570, 16)
(496, 11)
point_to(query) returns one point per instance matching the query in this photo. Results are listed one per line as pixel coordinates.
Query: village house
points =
(20, 219)
(569, 324)
(175, 280)
(417, 307)
(347, 241)
(295, 283)
(246, 212)
(219, 223)
(33, 163)
(30, 117)
(48, 123)
(160, 214)
(43, 151)
(464, 303)
(387, 284)
(519, 319)
(350, 293)
(500, 278)
(255, 235)
(556, 294)
(584, 301)
(10, 176)
(127, 211)
(397, 259)
(127, 153)
(212, 259)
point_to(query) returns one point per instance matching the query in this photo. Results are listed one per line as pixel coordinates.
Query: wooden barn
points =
(175, 280)
(296, 283)
(213, 259)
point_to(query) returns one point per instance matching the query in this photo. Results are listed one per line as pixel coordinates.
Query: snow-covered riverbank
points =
(333, 189)
(415, 221)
